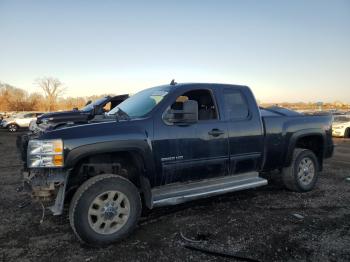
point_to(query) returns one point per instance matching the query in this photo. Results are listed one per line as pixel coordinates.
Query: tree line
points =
(48, 98)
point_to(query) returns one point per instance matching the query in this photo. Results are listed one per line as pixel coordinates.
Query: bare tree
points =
(12, 98)
(52, 88)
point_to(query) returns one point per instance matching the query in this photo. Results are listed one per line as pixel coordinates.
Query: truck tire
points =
(12, 128)
(302, 174)
(347, 133)
(104, 209)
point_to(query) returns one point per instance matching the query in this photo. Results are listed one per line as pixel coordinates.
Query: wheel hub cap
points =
(306, 171)
(109, 212)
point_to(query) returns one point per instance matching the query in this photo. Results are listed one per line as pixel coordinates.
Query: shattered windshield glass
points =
(90, 106)
(140, 104)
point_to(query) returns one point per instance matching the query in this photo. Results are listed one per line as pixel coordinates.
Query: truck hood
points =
(48, 126)
(65, 116)
(95, 129)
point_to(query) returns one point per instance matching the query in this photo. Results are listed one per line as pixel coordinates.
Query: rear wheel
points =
(12, 128)
(302, 174)
(105, 209)
(347, 133)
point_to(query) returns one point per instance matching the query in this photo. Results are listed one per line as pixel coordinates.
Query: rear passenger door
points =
(244, 129)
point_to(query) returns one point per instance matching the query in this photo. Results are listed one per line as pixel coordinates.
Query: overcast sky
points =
(284, 50)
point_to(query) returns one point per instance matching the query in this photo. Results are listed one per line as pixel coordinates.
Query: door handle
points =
(216, 132)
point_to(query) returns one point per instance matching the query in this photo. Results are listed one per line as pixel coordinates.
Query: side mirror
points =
(187, 115)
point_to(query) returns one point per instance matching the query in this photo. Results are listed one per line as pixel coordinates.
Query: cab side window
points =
(206, 106)
(30, 115)
(235, 105)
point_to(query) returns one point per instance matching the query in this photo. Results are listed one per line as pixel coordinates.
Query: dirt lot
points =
(259, 224)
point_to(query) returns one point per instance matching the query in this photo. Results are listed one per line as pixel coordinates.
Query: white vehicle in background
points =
(19, 121)
(341, 126)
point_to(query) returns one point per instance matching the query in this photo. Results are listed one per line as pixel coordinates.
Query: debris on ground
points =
(43, 212)
(298, 216)
(203, 238)
(24, 204)
(200, 237)
(209, 251)
(188, 239)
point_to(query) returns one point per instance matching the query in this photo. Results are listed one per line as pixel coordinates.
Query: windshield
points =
(341, 119)
(90, 106)
(141, 103)
(18, 115)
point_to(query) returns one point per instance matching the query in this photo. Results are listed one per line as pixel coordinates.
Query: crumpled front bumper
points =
(47, 186)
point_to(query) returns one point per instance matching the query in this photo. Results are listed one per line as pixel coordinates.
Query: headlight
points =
(45, 153)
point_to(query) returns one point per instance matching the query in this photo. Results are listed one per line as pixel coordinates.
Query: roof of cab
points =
(198, 85)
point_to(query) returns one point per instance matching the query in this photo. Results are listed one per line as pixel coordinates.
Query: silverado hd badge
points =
(171, 158)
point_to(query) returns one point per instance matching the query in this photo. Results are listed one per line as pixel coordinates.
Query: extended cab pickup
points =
(167, 145)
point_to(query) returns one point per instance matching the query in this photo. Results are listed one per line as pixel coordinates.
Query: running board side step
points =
(178, 193)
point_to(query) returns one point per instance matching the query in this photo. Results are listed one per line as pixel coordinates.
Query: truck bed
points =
(281, 127)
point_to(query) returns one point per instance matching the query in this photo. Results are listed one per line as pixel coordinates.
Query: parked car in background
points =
(18, 121)
(1, 116)
(341, 126)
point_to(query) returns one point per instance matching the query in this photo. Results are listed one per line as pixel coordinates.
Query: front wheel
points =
(104, 209)
(12, 128)
(302, 174)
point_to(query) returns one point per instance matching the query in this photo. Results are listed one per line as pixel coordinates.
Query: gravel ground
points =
(264, 224)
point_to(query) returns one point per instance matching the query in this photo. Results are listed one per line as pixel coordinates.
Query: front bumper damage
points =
(47, 186)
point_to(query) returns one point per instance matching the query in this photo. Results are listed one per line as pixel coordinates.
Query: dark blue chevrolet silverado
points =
(167, 145)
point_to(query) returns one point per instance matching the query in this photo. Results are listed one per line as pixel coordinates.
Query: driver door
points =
(193, 151)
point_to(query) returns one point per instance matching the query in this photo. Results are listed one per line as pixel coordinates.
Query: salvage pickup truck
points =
(167, 145)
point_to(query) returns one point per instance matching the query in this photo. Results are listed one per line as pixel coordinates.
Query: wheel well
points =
(127, 164)
(15, 124)
(347, 132)
(313, 143)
